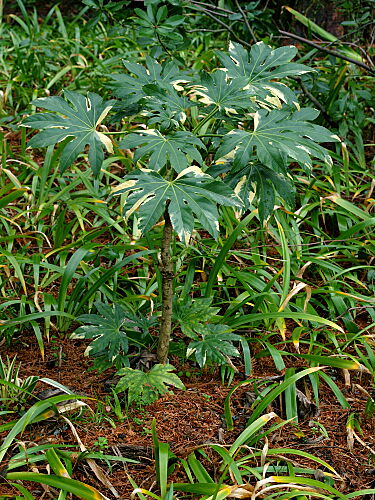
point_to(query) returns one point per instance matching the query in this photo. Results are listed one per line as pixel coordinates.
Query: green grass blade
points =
(361, 493)
(322, 33)
(336, 391)
(297, 316)
(248, 433)
(303, 481)
(37, 411)
(227, 411)
(199, 471)
(286, 263)
(291, 397)
(81, 490)
(55, 463)
(104, 278)
(336, 362)
(26, 494)
(69, 272)
(221, 258)
(272, 395)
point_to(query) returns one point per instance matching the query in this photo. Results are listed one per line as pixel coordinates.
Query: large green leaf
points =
(261, 66)
(132, 88)
(191, 315)
(165, 107)
(192, 192)
(162, 148)
(278, 138)
(255, 178)
(228, 95)
(110, 329)
(79, 121)
(147, 387)
(214, 346)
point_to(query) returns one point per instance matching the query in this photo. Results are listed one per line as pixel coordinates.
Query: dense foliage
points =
(196, 197)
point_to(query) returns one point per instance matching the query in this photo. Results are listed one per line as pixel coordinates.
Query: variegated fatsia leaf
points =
(134, 88)
(78, 122)
(191, 193)
(261, 66)
(277, 139)
(227, 94)
(161, 148)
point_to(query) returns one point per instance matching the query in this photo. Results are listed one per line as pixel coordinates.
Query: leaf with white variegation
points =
(165, 108)
(264, 182)
(110, 331)
(228, 95)
(79, 122)
(162, 148)
(191, 193)
(278, 138)
(132, 88)
(261, 66)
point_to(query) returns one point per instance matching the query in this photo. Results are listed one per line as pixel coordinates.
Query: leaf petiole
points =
(206, 119)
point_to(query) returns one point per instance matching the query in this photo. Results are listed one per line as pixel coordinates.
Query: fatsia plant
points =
(112, 330)
(147, 387)
(212, 343)
(207, 140)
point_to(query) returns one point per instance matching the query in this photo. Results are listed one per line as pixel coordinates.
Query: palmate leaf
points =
(162, 148)
(155, 22)
(110, 329)
(265, 182)
(144, 387)
(192, 192)
(261, 66)
(278, 138)
(215, 344)
(191, 315)
(228, 95)
(165, 107)
(79, 121)
(133, 89)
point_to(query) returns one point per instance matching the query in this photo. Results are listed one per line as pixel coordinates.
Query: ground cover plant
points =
(187, 218)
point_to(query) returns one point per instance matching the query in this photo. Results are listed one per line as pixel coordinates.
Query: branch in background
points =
(226, 26)
(327, 51)
(350, 33)
(314, 100)
(206, 11)
(215, 7)
(207, 30)
(243, 14)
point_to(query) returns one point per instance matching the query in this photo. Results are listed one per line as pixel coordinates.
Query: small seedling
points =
(101, 443)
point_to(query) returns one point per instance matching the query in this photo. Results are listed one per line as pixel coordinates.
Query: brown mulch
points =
(186, 420)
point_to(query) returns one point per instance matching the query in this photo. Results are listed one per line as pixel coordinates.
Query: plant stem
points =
(206, 119)
(210, 135)
(166, 270)
(219, 21)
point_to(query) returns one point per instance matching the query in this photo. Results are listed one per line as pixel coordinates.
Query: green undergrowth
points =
(204, 195)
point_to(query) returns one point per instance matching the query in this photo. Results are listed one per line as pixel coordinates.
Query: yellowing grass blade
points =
(81, 490)
(55, 463)
(315, 28)
(252, 429)
(92, 464)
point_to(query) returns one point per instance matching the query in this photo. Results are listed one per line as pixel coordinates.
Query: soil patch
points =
(186, 420)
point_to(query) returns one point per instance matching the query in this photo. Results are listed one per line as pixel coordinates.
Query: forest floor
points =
(187, 420)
